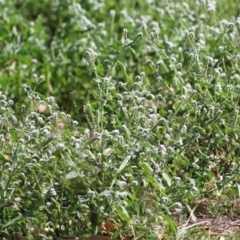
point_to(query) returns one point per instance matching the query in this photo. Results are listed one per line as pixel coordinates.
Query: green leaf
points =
(71, 175)
(150, 178)
(14, 135)
(238, 187)
(123, 214)
(2, 158)
(127, 78)
(100, 69)
(124, 164)
(45, 143)
(13, 221)
(167, 179)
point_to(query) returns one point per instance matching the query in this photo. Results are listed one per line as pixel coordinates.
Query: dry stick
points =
(134, 235)
(196, 224)
(234, 224)
(131, 226)
(185, 225)
(42, 235)
(237, 221)
(139, 236)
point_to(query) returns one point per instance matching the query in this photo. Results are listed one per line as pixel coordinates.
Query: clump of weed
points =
(161, 128)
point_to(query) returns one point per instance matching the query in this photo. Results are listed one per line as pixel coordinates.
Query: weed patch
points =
(143, 124)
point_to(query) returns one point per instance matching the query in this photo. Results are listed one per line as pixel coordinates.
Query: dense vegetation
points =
(122, 113)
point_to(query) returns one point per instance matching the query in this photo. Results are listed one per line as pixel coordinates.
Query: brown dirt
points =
(217, 217)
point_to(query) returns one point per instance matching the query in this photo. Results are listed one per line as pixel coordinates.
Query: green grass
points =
(144, 120)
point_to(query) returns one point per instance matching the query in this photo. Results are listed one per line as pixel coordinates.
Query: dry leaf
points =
(108, 226)
(15, 206)
(42, 108)
(107, 151)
